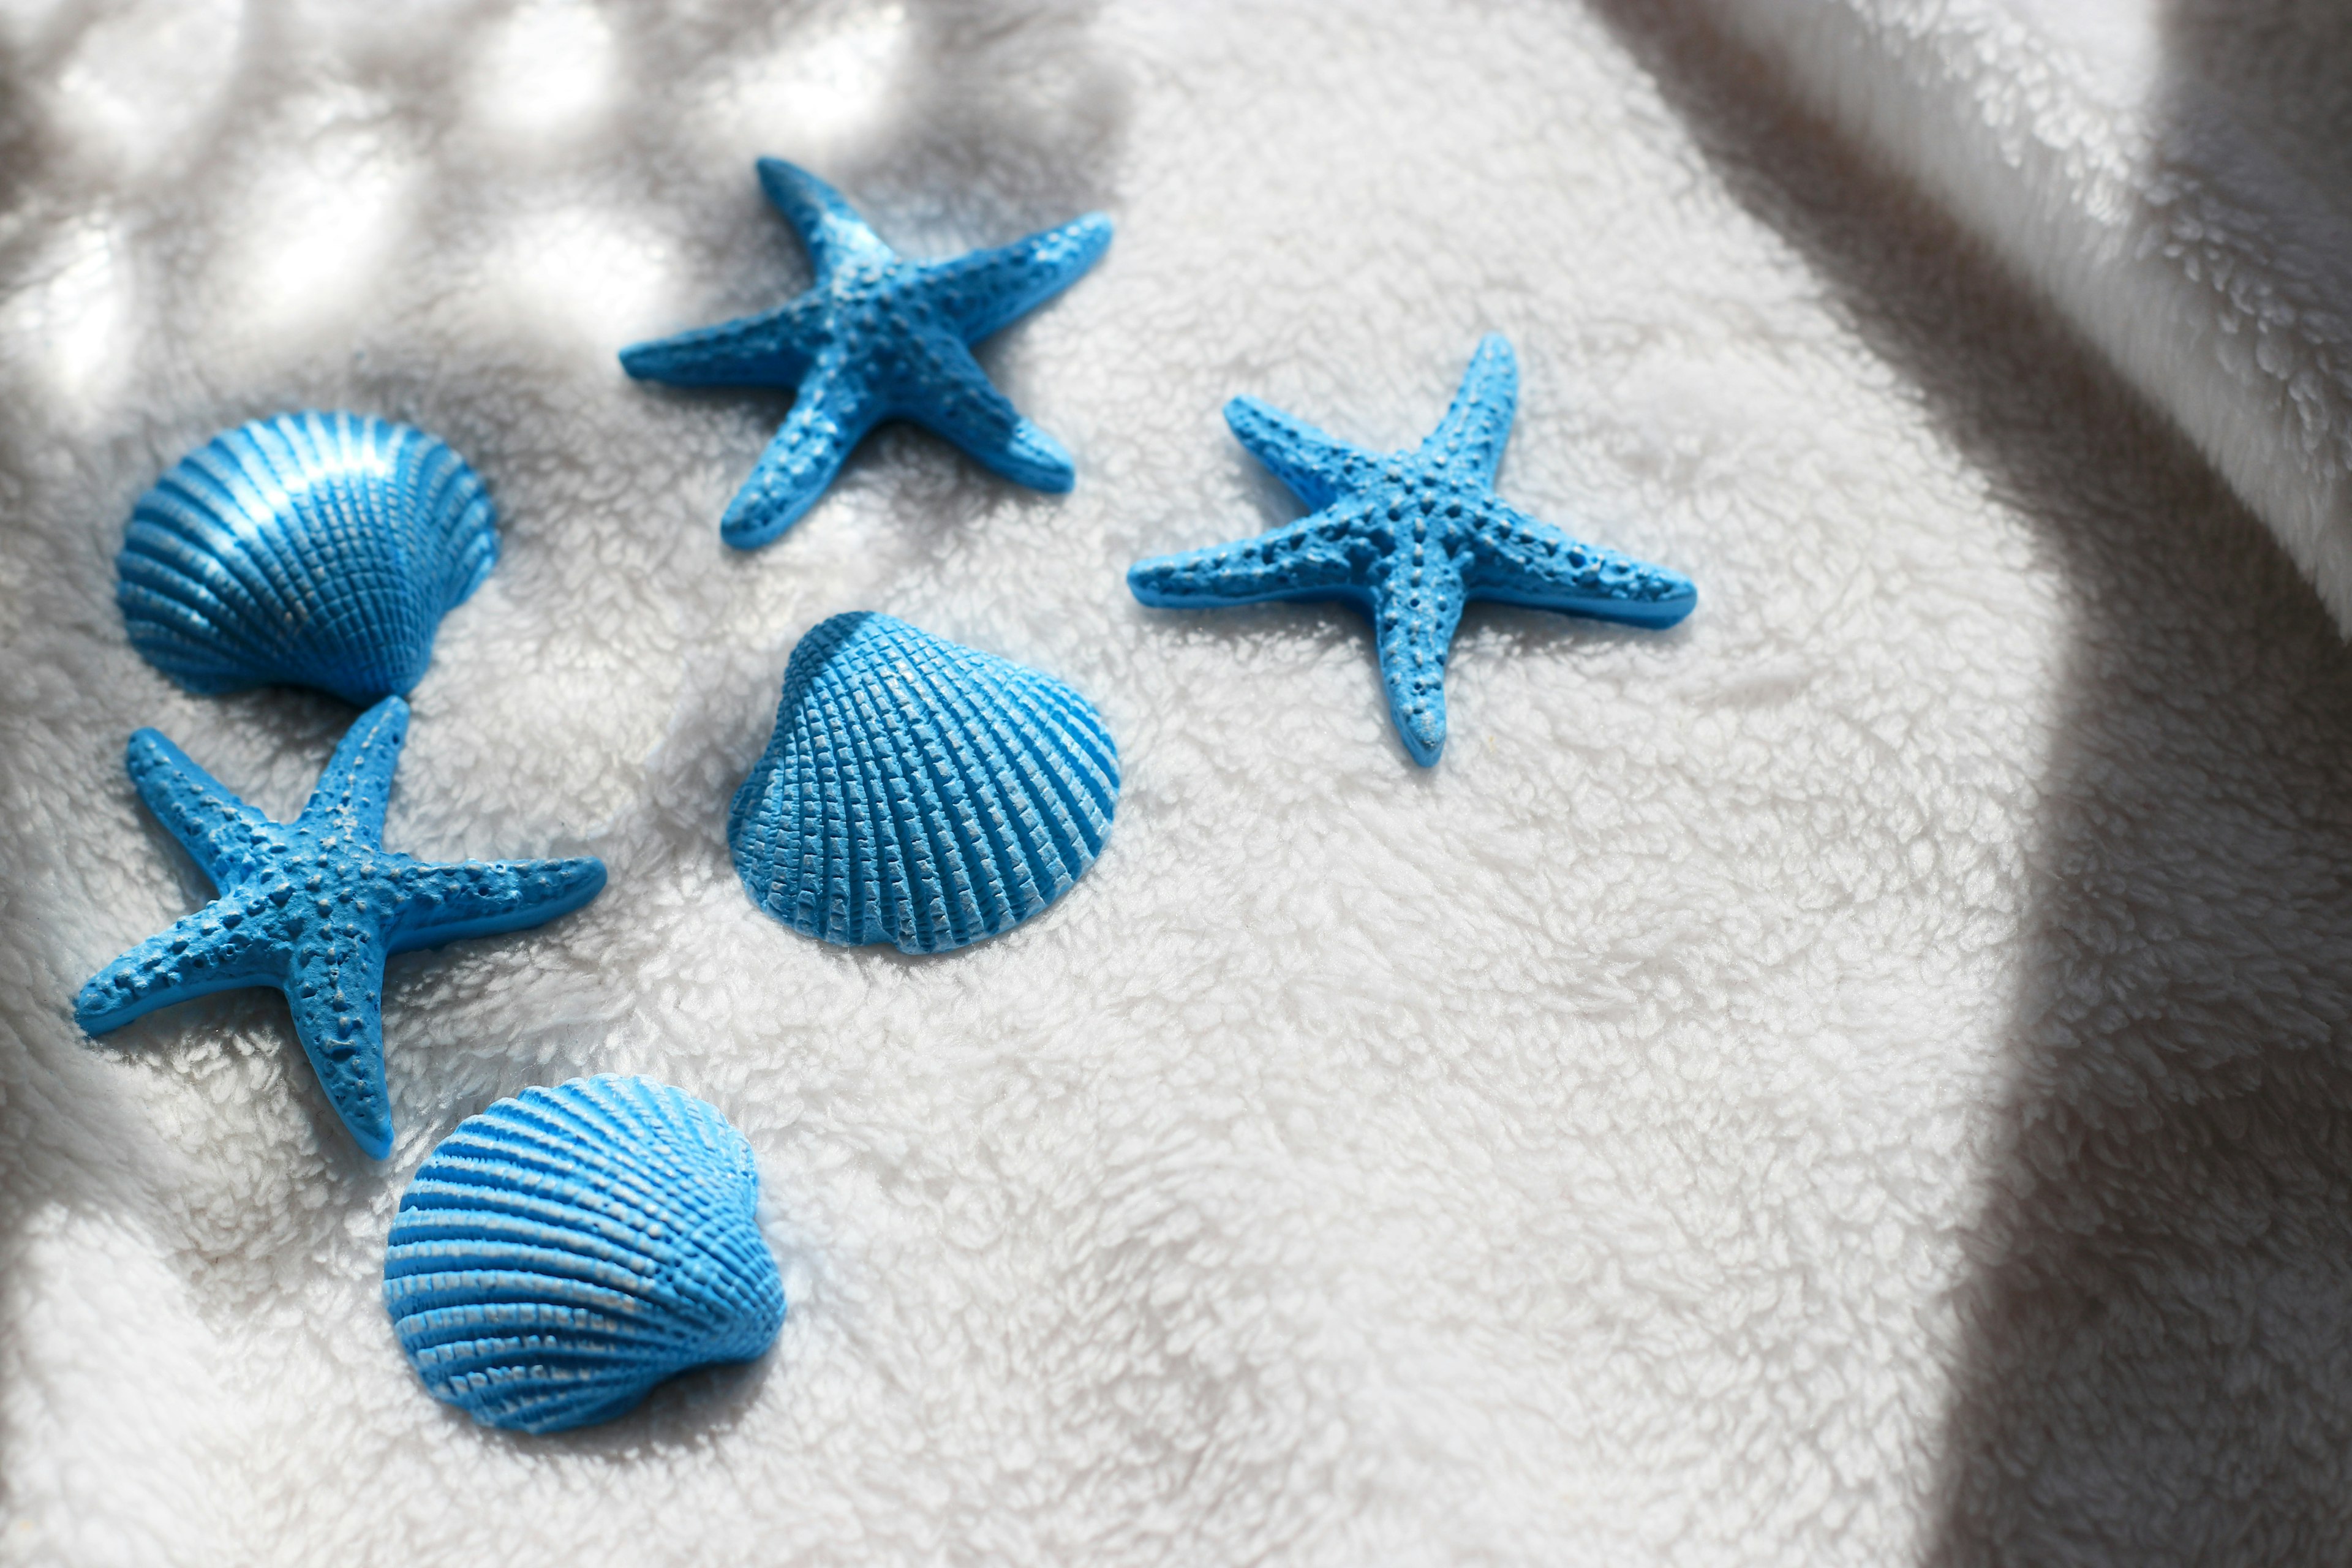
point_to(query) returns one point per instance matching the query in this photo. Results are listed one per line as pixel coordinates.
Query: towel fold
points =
(2173, 174)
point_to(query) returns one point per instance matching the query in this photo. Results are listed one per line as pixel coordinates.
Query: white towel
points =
(1849, 1079)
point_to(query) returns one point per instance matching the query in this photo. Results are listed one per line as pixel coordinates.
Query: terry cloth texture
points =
(1854, 1078)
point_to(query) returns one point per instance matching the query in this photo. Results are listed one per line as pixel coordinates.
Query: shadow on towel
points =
(2149, 1363)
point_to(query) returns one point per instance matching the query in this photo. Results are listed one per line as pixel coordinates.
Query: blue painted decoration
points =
(878, 337)
(919, 793)
(315, 549)
(1408, 538)
(565, 1250)
(312, 908)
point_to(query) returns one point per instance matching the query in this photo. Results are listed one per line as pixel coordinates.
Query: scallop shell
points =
(919, 793)
(565, 1250)
(305, 549)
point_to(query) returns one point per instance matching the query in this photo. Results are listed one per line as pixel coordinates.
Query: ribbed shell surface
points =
(919, 793)
(565, 1250)
(315, 549)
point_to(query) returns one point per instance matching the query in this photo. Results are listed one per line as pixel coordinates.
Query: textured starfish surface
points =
(877, 337)
(312, 908)
(1409, 538)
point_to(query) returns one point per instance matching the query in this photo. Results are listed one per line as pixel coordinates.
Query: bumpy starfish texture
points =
(877, 337)
(312, 908)
(1409, 538)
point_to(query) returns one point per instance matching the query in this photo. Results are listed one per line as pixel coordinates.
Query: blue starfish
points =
(1409, 538)
(877, 337)
(313, 907)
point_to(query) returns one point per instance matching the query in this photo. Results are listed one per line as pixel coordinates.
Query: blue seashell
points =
(565, 1250)
(315, 549)
(919, 793)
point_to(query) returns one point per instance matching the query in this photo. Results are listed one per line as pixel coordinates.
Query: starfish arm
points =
(482, 898)
(1314, 558)
(1518, 560)
(1318, 467)
(830, 416)
(336, 993)
(221, 947)
(775, 348)
(835, 235)
(1414, 618)
(218, 830)
(960, 404)
(1469, 440)
(352, 794)
(990, 289)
